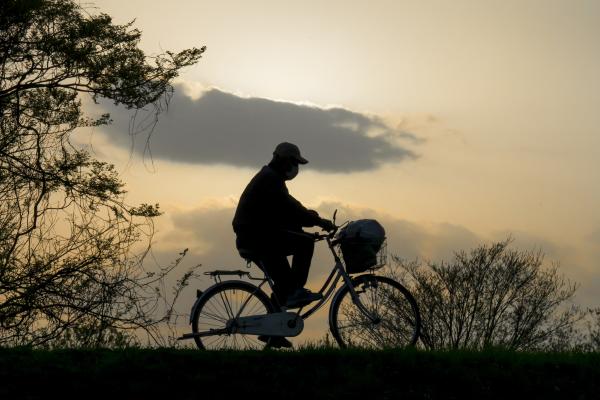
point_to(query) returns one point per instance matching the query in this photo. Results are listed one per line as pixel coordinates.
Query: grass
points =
(304, 374)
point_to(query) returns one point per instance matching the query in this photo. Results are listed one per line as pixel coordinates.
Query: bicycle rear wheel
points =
(398, 320)
(216, 309)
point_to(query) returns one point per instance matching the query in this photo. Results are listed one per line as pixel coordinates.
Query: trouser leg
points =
(302, 251)
(273, 251)
(278, 269)
(271, 259)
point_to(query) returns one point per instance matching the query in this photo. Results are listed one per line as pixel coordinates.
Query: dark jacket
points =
(266, 206)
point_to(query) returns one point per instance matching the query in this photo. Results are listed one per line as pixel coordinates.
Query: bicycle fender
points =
(355, 280)
(194, 306)
(335, 296)
(198, 298)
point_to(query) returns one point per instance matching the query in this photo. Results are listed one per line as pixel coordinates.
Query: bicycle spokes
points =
(215, 323)
(383, 316)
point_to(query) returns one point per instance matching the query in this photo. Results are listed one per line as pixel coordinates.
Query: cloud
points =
(208, 233)
(594, 238)
(223, 128)
(411, 240)
(528, 241)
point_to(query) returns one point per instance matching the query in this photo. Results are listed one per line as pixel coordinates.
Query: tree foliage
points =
(66, 233)
(492, 296)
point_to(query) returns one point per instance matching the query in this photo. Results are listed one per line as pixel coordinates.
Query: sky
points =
(454, 123)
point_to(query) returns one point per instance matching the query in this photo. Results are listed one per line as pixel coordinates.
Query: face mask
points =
(291, 173)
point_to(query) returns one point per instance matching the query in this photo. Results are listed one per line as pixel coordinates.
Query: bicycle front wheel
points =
(397, 320)
(218, 307)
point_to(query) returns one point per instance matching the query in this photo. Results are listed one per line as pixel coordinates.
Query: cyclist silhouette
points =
(267, 222)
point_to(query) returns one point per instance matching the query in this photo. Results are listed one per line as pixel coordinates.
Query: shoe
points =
(276, 341)
(301, 298)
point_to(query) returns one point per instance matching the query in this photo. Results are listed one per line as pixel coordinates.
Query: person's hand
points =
(313, 213)
(327, 225)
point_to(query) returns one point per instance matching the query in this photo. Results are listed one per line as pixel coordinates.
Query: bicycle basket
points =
(363, 245)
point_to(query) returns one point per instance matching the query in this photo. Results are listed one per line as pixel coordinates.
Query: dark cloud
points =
(222, 128)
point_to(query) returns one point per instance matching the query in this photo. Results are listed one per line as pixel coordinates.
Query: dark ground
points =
(307, 374)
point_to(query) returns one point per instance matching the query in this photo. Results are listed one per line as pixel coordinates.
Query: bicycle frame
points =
(338, 272)
(328, 287)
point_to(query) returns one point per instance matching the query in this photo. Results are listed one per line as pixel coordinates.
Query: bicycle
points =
(367, 311)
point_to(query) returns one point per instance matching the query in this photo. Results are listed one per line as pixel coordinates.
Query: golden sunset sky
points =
(454, 123)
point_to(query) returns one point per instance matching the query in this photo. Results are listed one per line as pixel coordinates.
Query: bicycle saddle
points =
(247, 254)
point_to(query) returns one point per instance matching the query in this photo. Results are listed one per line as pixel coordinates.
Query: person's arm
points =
(303, 215)
(308, 217)
(291, 210)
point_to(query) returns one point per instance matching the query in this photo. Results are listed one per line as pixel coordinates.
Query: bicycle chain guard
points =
(273, 324)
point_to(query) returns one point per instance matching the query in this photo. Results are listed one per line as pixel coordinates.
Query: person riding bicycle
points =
(268, 223)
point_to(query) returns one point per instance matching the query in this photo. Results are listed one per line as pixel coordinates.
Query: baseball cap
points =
(290, 150)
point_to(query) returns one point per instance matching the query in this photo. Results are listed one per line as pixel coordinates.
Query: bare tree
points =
(589, 339)
(68, 239)
(491, 296)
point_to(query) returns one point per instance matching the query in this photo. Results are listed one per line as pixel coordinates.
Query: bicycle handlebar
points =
(317, 236)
